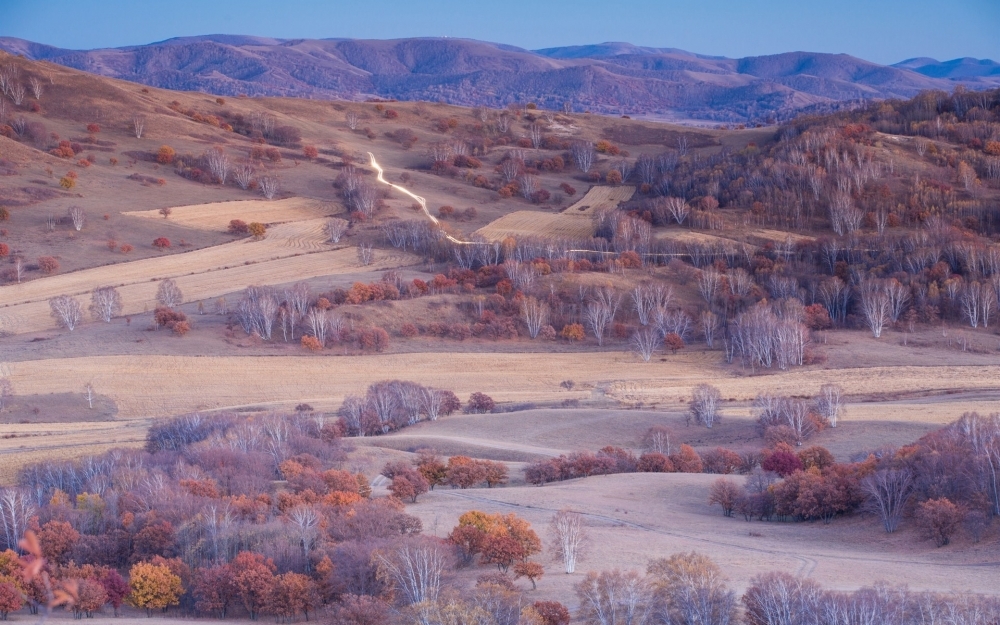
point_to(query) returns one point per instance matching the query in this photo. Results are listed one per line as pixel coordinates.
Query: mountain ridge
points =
(610, 78)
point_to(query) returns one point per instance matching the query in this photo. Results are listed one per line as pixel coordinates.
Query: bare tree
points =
(535, 133)
(269, 186)
(6, 392)
(704, 405)
(138, 125)
(510, 169)
(888, 490)
(615, 598)
(535, 313)
(569, 538)
(366, 253)
(218, 164)
(36, 87)
(353, 119)
(645, 341)
(876, 307)
(646, 299)
(709, 281)
(365, 199)
(77, 216)
(88, 391)
(414, 570)
(17, 93)
(899, 297)
(66, 311)
(258, 310)
(601, 311)
(978, 301)
(335, 228)
(169, 294)
(243, 175)
(528, 185)
(105, 303)
(16, 510)
(583, 155)
(677, 208)
(709, 324)
(829, 403)
(19, 268)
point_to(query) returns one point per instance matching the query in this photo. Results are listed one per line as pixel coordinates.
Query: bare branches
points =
(366, 253)
(243, 175)
(269, 186)
(829, 403)
(77, 216)
(105, 303)
(66, 311)
(335, 228)
(569, 538)
(36, 87)
(704, 405)
(169, 294)
(535, 314)
(583, 154)
(601, 311)
(218, 164)
(138, 125)
(888, 491)
(352, 119)
(645, 341)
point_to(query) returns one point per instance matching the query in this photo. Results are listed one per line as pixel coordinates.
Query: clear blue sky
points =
(884, 31)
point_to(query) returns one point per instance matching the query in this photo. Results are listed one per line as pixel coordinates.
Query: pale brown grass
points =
(160, 385)
(521, 224)
(217, 215)
(290, 252)
(600, 198)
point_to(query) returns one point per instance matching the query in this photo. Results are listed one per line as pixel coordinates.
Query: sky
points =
(883, 31)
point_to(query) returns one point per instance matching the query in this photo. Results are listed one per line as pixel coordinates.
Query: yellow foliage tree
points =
(153, 587)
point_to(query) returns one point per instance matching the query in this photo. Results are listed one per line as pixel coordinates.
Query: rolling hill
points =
(616, 78)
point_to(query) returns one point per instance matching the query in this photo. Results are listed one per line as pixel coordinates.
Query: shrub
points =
(311, 343)
(4, 250)
(161, 243)
(257, 229)
(4, 213)
(782, 460)
(409, 330)
(687, 460)
(48, 264)
(573, 332)
(480, 403)
(376, 339)
(310, 152)
(165, 155)
(93, 128)
(938, 519)
(238, 226)
(67, 183)
(126, 248)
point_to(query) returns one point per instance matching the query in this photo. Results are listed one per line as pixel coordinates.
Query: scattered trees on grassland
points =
(105, 303)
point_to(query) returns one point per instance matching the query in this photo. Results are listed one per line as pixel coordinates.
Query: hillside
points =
(612, 78)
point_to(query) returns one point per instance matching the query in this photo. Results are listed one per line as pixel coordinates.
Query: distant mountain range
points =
(614, 78)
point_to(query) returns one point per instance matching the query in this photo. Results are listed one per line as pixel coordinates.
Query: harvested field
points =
(692, 236)
(290, 252)
(634, 518)
(162, 385)
(523, 224)
(217, 215)
(600, 198)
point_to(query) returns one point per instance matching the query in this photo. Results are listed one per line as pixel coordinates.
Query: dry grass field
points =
(217, 215)
(575, 222)
(159, 385)
(634, 518)
(600, 198)
(289, 252)
(521, 224)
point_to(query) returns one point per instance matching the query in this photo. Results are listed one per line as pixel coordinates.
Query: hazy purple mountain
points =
(962, 69)
(606, 78)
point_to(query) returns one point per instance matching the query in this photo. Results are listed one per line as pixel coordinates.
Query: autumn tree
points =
(614, 598)
(153, 587)
(57, 539)
(90, 597)
(115, 587)
(409, 484)
(430, 465)
(552, 612)
(724, 493)
(214, 589)
(938, 519)
(165, 155)
(253, 578)
(10, 599)
(569, 538)
(533, 571)
(292, 594)
(66, 311)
